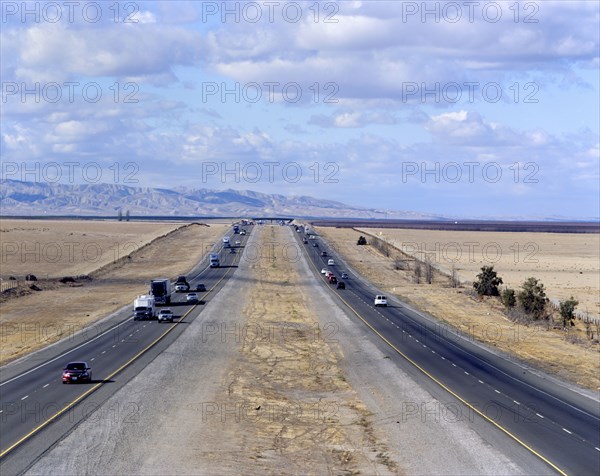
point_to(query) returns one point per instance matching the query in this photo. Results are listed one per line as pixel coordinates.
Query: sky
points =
(460, 108)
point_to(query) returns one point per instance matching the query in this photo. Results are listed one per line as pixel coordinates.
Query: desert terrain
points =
(569, 355)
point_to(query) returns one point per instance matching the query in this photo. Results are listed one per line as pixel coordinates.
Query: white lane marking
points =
(93, 358)
(597, 448)
(541, 416)
(564, 429)
(480, 381)
(26, 396)
(453, 365)
(104, 352)
(466, 373)
(114, 346)
(66, 353)
(45, 385)
(443, 358)
(3, 410)
(497, 391)
(516, 402)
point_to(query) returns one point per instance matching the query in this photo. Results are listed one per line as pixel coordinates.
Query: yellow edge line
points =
(95, 387)
(451, 392)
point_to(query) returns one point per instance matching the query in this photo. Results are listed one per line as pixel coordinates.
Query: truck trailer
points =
(161, 290)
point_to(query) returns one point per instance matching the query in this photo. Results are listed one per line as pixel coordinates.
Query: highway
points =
(557, 424)
(36, 409)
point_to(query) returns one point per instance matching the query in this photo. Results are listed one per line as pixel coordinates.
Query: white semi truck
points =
(214, 260)
(225, 242)
(144, 308)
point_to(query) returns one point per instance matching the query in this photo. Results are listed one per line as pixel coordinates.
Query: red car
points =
(77, 372)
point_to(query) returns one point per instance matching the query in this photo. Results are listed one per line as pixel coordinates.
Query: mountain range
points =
(19, 198)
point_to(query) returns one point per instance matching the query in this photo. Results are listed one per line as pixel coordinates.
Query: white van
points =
(380, 300)
(330, 263)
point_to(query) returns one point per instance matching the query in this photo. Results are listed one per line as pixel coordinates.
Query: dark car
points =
(315, 244)
(77, 372)
(323, 253)
(341, 285)
(201, 288)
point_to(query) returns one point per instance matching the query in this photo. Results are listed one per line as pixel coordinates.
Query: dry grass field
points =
(31, 321)
(567, 264)
(56, 248)
(574, 359)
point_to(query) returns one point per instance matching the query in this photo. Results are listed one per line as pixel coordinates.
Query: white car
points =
(324, 271)
(181, 287)
(165, 315)
(330, 263)
(238, 242)
(380, 300)
(191, 297)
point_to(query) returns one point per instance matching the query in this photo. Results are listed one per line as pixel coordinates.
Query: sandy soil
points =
(484, 320)
(30, 322)
(568, 264)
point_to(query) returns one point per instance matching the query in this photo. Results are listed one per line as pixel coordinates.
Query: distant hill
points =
(34, 199)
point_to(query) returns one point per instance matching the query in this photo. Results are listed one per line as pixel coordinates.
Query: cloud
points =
(353, 119)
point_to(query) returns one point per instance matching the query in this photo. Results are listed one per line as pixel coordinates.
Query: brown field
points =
(571, 356)
(31, 321)
(568, 264)
(56, 248)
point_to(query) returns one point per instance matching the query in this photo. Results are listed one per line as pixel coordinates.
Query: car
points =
(238, 242)
(181, 287)
(324, 271)
(191, 297)
(328, 273)
(341, 285)
(201, 288)
(232, 250)
(165, 315)
(323, 253)
(77, 372)
(380, 300)
(305, 241)
(344, 275)
(315, 244)
(243, 232)
(332, 279)
(330, 262)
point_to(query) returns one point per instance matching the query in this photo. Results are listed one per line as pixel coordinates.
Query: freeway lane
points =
(33, 398)
(557, 424)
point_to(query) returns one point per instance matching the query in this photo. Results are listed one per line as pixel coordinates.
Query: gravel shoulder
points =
(273, 377)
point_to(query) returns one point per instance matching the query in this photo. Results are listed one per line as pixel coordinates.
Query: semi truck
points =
(161, 290)
(144, 308)
(236, 228)
(214, 260)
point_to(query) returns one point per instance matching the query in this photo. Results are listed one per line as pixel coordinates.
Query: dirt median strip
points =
(292, 409)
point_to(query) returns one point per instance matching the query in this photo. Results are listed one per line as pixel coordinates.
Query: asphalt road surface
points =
(556, 423)
(36, 409)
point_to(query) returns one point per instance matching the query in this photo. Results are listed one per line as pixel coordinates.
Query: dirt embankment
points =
(482, 320)
(35, 320)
